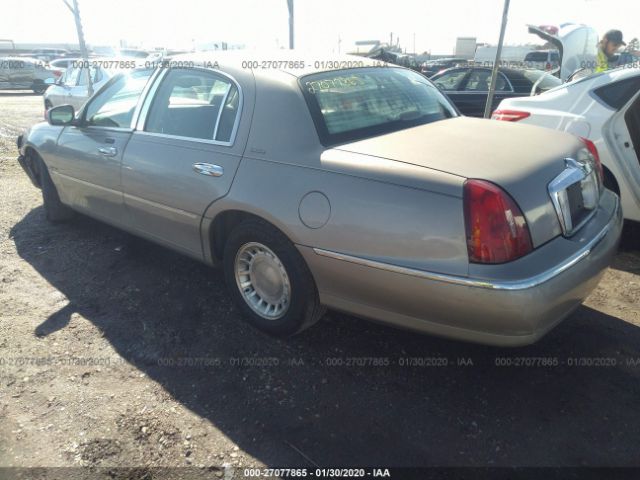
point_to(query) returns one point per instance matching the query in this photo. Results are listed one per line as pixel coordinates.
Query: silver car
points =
(337, 183)
(72, 88)
(22, 73)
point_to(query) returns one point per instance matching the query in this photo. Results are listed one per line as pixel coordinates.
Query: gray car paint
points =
(394, 200)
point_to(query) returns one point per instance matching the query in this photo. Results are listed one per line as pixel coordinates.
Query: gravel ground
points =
(117, 352)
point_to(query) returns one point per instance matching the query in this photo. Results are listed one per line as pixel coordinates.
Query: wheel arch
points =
(223, 224)
(610, 180)
(31, 157)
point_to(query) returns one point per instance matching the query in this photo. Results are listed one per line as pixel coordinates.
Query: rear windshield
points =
(348, 105)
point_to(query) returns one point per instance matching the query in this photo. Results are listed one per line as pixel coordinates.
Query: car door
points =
(472, 95)
(63, 92)
(621, 134)
(450, 83)
(88, 156)
(183, 155)
(22, 74)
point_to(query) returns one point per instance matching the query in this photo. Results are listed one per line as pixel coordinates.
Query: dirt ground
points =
(117, 352)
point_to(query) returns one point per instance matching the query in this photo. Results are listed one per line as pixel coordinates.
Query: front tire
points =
(54, 209)
(269, 280)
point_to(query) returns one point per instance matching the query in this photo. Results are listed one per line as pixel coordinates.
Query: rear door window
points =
(71, 77)
(451, 80)
(480, 79)
(83, 80)
(195, 104)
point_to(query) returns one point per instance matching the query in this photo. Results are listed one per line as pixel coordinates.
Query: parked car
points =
(432, 67)
(72, 88)
(547, 60)
(358, 189)
(468, 87)
(58, 67)
(21, 73)
(605, 108)
(62, 63)
(48, 54)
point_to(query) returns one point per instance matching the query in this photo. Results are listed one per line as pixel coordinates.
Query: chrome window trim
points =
(107, 129)
(144, 112)
(224, 100)
(143, 96)
(509, 285)
(180, 137)
(508, 83)
(146, 103)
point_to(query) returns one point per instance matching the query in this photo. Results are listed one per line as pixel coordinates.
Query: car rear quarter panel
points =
(371, 219)
(376, 209)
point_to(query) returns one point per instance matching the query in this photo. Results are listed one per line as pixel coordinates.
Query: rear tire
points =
(269, 280)
(54, 209)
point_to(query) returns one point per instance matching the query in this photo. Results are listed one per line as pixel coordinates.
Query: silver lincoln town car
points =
(339, 183)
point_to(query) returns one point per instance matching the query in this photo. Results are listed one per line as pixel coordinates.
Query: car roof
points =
(286, 61)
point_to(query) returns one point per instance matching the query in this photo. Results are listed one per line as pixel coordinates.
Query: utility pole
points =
(290, 5)
(83, 46)
(494, 72)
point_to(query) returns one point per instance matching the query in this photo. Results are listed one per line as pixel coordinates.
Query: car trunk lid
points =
(522, 159)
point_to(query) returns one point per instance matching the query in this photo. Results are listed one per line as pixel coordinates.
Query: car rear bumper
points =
(495, 305)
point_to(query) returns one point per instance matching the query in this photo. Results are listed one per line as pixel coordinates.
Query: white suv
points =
(547, 60)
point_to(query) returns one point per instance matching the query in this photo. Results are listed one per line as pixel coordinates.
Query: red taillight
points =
(596, 157)
(497, 231)
(509, 115)
(57, 73)
(548, 66)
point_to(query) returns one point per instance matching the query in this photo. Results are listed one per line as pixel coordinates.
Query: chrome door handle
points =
(108, 151)
(208, 169)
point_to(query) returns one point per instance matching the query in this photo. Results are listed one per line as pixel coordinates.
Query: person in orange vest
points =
(607, 48)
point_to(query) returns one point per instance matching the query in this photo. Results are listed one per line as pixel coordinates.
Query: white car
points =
(603, 108)
(73, 86)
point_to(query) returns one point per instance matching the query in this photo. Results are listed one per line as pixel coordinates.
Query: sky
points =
(320, 25)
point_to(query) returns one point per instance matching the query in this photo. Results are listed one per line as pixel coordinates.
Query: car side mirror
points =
(61, 115)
